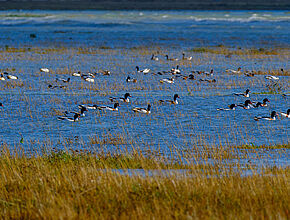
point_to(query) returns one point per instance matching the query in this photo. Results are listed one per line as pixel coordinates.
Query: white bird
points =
(2, 77)
(235, 71)
(45, 70)
(9, 76)
(171, 80)
(272, 77)
(77, 74)
(88, 79)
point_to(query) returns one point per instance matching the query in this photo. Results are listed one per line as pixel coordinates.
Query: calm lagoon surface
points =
(118, 41)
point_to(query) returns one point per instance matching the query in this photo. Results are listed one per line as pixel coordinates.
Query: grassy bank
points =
(63, 185)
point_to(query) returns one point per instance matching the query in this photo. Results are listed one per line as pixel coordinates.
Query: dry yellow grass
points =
(70, 186)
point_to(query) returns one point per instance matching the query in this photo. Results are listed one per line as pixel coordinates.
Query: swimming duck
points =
(52, 87)
(186, 58)
(145, 71)
(45, 70)
(154, 57)
(2, 77)
(247, 105)
(115, 108)
(191, 76)
(287, 115)
(1, 105)
(9, 76)
(81, 113)
(231, 107)
(171, 59)
(88, 79)
(75, 118)
(78, 74)
(106, 73)
(272, 77)
(208, 80)
(129, 79)
(259, 104)
(246, 94)
(272, 117)
(249, 74)
(209, 73)
(175, 70)
(63, 80)
(88, 106)
(235, 71)
(174, 101)
(264, 104)
(171, 80)
(123, 99)
(143, 110)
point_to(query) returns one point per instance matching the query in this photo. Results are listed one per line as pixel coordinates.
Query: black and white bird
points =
(170, 81)
(171, 59)
(145, 71)
(231, 107)
(75, 118)
(186, 58)
(175, 70)
(123, 99)
(9, 76)
(45, 70)
(143, 110)
(63, 80)
(246, 94)
(129, 79)
(154, 57)
(272, 117)
(115, 108)
(174, 101)
(247, 105)
(286, 115)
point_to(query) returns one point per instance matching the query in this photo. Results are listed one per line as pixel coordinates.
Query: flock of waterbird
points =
(174, 72)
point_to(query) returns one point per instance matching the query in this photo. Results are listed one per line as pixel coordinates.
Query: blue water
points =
(29, 110)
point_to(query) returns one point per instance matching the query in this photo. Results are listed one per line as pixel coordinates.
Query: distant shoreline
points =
(144, 5)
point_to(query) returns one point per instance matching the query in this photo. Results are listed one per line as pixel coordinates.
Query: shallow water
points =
(29, 110)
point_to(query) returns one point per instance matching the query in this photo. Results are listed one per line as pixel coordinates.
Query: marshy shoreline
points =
(81, 185)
